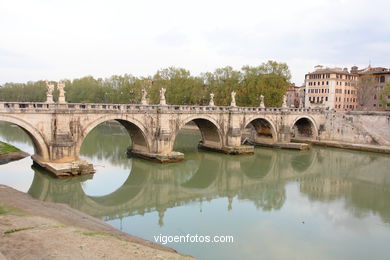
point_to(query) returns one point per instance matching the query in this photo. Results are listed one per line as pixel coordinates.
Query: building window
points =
(382, 79)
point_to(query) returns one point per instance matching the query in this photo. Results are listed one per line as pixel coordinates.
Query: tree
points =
(385, 97)
(222, 82)
(270, 79)
(181, 87)
(365, 88)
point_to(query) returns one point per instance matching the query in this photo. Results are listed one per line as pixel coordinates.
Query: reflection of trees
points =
(108, 141)
(12, 133)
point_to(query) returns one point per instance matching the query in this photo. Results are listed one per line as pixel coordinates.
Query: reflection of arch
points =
(128, 191)
(265, 130)
(70, 191)
(208, 127)
(261, 165)
(304, 127)
(206, 174)
(40, 147)
(136, 130)
(303, 162)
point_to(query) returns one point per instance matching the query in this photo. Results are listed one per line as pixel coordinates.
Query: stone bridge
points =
(58, 129)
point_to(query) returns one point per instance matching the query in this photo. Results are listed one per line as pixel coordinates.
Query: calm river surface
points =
(277, 204)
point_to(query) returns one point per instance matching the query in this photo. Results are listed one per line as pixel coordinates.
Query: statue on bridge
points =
(233, 103)
(49, 93)
(61, 92)
(211, 103)
(144, 100)
(162, 97)
(262, 102)
(284, 104)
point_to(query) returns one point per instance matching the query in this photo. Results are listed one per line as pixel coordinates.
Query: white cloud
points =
(66, 39)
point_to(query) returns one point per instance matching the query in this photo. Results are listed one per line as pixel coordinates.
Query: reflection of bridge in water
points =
(322, 175)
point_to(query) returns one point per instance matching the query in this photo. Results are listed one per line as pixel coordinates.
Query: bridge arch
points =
(209, 128)
(304, 127)
(264, 130)
(137, 132)
(40, 146)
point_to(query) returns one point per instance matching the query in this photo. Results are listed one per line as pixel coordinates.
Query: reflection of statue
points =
(262, 101)
(144, 101)
(61, 92)
(49, 93)
(162, 96)
(211, 103)
(284, 105)
(233, 103)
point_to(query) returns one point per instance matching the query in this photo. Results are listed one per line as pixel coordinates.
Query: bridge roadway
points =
(58, 129)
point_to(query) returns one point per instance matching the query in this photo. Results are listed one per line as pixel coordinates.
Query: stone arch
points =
(137, 132)
(210, 130)
(304, 127)
(264, 130)
(41, 148)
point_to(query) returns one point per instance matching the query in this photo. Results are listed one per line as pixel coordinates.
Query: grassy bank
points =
(6, 148)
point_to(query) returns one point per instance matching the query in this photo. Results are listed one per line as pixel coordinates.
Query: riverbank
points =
(33, 229)
(10, 153)
(347, 146)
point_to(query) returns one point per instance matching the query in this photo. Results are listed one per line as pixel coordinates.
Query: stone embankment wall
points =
(357, 127)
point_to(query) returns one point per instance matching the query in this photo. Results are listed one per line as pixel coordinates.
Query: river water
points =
(276, 204)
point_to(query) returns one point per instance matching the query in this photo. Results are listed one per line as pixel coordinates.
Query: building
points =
(332, 88)
(372, 82)
(293, 95)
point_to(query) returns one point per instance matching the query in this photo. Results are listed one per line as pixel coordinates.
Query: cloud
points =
(72, 38)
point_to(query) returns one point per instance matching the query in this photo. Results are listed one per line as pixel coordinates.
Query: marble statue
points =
(211, 103)
(262, 101)
(233, 103)
(162, 96)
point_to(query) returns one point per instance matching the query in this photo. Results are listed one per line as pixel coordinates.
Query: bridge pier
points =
(232, 150)
(157, 157)
(65, 169)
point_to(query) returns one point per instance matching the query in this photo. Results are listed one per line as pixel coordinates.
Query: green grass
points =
(91, 233)
(6, 210)
(16, 230)
(6, 148)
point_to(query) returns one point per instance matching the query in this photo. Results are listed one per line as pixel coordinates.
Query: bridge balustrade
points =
(37, 106)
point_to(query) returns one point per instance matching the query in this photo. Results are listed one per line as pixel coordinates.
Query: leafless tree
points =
(366, 90)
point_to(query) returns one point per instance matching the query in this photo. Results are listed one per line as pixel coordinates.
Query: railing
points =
(74, 107)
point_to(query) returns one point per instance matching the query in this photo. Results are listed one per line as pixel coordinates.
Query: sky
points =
(54, 40)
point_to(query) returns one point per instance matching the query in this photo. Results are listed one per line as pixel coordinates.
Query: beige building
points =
(371, 98)
(293, 95)
(332, 88)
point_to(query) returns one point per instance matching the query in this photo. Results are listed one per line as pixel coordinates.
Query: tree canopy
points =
(270, 79)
